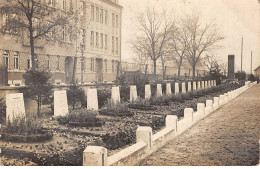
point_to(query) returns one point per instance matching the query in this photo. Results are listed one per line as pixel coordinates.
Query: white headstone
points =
(206, 84)
(14, 106)
(199, 86)
(133, 93)
(168, 89)
(147, 91)
(115, 95)
(159, 90)
(188, 114)
(60, 103)
(202, 84)
(189, 86)
(176, 88)
(209, 85)
(183, 87)
(194, 86)
(215, 83)
(92, 99)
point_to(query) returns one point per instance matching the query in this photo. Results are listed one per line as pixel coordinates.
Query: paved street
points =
(229, 136)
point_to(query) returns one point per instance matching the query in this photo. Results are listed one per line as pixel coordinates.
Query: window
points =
(116, 21)
(70, 34)
(36, 59)
(83, 36)
(92, 12)
(92, 65)
(82, 9)
(58, 63)
(106, 16)
(113, 20)
(29, 62)
(97, 14)
(64, 5)
(36, 25)
(116, 45)
(105, 41)
(51, 32)
(113, 44)
(63, 35)
(101, 41)
(92, 38)
(6, 59)
(16, 60)
(105, 63)
(82, 64)
(101, 15)
(48, 62)
(113, 64)
(97, 40)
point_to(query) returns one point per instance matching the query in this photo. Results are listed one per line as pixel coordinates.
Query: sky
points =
(234, 18)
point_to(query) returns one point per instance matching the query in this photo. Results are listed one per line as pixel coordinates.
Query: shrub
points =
(115, 109)
(142, 104)
(240, 75)
(82, 117)
(2, 111)
(125, 93)
(103, 96)
(76, 95)
(162, 100)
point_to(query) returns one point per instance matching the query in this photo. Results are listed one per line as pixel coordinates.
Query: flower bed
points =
(116, 109)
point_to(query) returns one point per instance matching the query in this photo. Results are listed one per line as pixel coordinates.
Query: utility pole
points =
(251, 61)
(242, 54)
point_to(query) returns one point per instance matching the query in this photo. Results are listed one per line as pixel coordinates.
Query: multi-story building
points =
(89, 47)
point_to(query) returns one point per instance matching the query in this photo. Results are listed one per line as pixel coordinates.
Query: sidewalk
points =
(229, 136)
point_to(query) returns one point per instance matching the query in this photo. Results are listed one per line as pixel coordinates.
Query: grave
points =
(183, 87)
(176, 88)
(60, 103)
(194, 86)
(199, 86)
(147, 91)
(159, 90)
(14, 106)
(115, 95)
(133, 93)
(189, 86)
(202, 84)
(92, 99)
(168, 89)
(206, 84)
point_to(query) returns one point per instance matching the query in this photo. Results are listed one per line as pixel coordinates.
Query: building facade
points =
(89, 47)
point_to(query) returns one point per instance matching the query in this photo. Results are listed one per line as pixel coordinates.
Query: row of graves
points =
(15, 102)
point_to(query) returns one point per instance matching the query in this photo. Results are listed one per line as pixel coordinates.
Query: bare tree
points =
(210, 61)
(200, 38)
(154, 29)
(29, 18)
(177, 46)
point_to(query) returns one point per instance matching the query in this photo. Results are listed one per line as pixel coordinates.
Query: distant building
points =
(96, 50)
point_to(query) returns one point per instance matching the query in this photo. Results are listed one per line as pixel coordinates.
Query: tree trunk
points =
(193, 72)
(179, 70)
(32, 45)
(38, 107)
(154, 67)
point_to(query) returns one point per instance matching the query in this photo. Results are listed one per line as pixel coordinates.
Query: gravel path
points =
(229, 136)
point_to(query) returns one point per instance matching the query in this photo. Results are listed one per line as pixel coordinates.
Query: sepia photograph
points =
(129, 83)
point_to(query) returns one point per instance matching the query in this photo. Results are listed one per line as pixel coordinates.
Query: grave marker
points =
(147, 91)
(183, 87)
(60, 103)
(115, 95)
(176, 88)
(133, 93)
(194, 86)
(202, 84)
(199, 86)
(14, 106)
(159, 90)
(168, 89)
(189, 86)
(92, 99)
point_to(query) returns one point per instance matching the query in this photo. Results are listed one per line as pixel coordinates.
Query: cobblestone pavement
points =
(229, 136)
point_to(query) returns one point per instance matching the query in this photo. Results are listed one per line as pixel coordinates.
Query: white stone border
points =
(147, 143)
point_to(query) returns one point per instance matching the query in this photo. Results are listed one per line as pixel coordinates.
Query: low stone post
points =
(159, 90)
(168, 89)
(183, 87)
(194, 86)
(189, 86)
(200, 111)
(221, 100)
(177, 89)
(147, 91)
(209, 106)
(171, 122)
(199, 86)
(202, 84)
(95, 156)
(92, 99)
(188, 114)
(216, 103)
(133, 93)
(115, 94)
(144, 134)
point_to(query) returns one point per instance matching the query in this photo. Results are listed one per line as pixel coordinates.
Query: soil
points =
(68, 143)
(228, 137)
